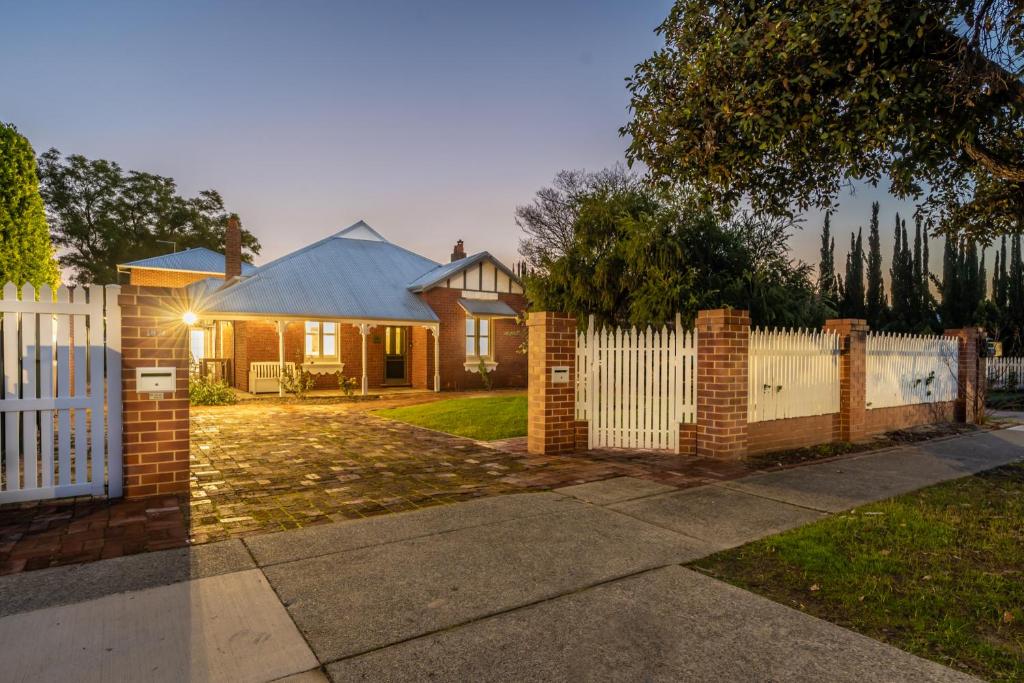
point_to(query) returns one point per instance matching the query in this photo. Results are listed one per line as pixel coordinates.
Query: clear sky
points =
(431, 121)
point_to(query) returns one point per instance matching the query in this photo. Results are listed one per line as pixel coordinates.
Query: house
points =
(354, 305)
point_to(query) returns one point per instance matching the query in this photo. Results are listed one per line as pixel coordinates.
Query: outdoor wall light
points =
(190, 318)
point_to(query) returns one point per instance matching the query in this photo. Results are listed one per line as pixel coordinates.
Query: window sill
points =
(322, 367)
(474, 365)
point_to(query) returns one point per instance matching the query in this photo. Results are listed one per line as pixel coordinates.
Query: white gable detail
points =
(361, 231)
(483, 276)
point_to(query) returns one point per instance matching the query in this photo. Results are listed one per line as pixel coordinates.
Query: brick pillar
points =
(970, 402)
(156, 431)
(853, 339)
(723, 340)
(551, 407)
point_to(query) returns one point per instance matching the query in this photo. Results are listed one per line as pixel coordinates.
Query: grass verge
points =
(938, 572)
(486, 418)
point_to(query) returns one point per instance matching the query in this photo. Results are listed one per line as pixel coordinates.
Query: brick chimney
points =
(233, 249)
(459, 251)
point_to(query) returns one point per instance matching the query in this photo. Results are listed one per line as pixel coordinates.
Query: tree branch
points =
(1001, 168)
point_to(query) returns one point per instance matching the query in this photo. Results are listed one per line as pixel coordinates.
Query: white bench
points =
(264, 376)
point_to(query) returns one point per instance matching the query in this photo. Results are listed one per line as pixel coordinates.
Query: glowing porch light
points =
(190, 318)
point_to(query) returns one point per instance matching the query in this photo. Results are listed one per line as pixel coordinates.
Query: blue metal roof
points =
(441, 273)
(197, 259)
(354, 274)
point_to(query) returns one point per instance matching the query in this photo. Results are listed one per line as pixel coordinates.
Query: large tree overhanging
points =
(785, 102)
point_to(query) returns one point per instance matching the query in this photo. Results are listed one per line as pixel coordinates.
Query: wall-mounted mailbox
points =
(560, 375)
(155, 380)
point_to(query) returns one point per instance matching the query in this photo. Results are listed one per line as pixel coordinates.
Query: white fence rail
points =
(61, 427)
(1006, 374)
(792, 373)
(906, 369)
(634, 388)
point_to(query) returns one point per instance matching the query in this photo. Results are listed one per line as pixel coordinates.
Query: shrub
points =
(296, 383)
(347, 384)
(485, 375)
(205, 391)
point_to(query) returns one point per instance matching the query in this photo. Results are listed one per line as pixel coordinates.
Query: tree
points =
(827, 288)
(876, 306)
(783, 103)
(901, 278)
(637, 257)
(548, 222)
(853, 294)
(102, 216)
(26, 253)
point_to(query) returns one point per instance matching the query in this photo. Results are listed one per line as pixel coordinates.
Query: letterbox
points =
(155, 380)
(560, 375)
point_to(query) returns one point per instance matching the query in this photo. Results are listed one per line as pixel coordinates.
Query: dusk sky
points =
(431, 121)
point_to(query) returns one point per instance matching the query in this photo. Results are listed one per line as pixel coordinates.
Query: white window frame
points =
(319, 333)
(476, 336)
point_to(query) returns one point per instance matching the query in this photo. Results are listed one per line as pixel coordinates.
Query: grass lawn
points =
(938, 572)
(485, 419)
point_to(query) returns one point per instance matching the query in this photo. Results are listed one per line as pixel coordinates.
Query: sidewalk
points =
(581, 583)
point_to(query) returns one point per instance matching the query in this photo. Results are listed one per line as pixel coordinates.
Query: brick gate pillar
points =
(853, 339)
(156, 428)
(723, 341)
(970, 402)
(551, 420)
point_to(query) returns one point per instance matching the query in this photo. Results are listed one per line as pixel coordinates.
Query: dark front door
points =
(396, 352)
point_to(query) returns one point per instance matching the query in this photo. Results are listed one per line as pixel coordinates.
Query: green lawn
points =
(939, 572)
(486, 418)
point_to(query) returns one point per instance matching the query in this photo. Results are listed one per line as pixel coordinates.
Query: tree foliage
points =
(102, 216)
(783, 103)
(876, 305)
(635, 256)
(26, 254)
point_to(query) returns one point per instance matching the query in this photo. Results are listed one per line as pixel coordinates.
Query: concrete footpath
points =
(582, 583)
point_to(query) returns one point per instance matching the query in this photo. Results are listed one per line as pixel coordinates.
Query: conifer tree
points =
(950, 283)
(853, 293)
(876, 303)
(827, 286)
(26, 253)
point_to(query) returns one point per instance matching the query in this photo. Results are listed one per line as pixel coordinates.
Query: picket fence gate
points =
(792, 373)
(1006, 373)
(634, 388)
(908, 369)
(61, 427)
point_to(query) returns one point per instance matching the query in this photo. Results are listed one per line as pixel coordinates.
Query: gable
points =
(477, 273)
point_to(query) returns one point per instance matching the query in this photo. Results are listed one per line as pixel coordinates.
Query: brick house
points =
(352, 304)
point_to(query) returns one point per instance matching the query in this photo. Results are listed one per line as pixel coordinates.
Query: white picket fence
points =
(61, 428)
(1006, 374)
(907, 369)
(634, 388)
(792, 373)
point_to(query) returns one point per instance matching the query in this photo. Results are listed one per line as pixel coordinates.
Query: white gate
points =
(635, 388)
(61, 427)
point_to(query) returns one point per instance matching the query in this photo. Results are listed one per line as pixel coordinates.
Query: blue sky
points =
(431, 121)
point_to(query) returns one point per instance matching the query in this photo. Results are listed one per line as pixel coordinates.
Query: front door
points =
(396, 351)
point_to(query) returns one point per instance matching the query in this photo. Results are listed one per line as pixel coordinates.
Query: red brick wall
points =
(146, 277)
(156, 432)
(881, 420)
(852, 376)
(797, 432)
(506, 337)
(551, 408)
(722, 350)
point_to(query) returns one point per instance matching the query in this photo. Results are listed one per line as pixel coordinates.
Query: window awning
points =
(491, 308)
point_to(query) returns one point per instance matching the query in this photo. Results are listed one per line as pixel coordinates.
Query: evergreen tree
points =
(853, 292)
(876, 304)
(950, 284)
(827, 285)
(26, 253)
(1002, 291)
(917, 286)
(1014, 317)
(901, 274)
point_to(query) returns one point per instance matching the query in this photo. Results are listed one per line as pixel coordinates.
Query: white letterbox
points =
(155, 380)
(560, 375)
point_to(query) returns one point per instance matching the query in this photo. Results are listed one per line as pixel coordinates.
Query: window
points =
(478, 337)
(321, 340)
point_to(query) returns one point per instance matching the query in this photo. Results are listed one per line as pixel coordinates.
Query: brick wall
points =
(551, 411)
(881, 420)
(147, 277)
(506, 337)
(797, 432)
(722, 354)
(852, 376)
(156, 432)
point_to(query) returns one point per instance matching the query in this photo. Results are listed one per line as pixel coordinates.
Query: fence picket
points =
(63, 391)
(792, 373)
(12, 420)
(907, 369)
(46, 379)
(1006, 373)
(29, 361)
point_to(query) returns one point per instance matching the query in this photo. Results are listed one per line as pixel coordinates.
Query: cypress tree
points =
(827, 266)
(1004, 279)
(876, 303)
(950, 283)
(917, 291)
(26, 253)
